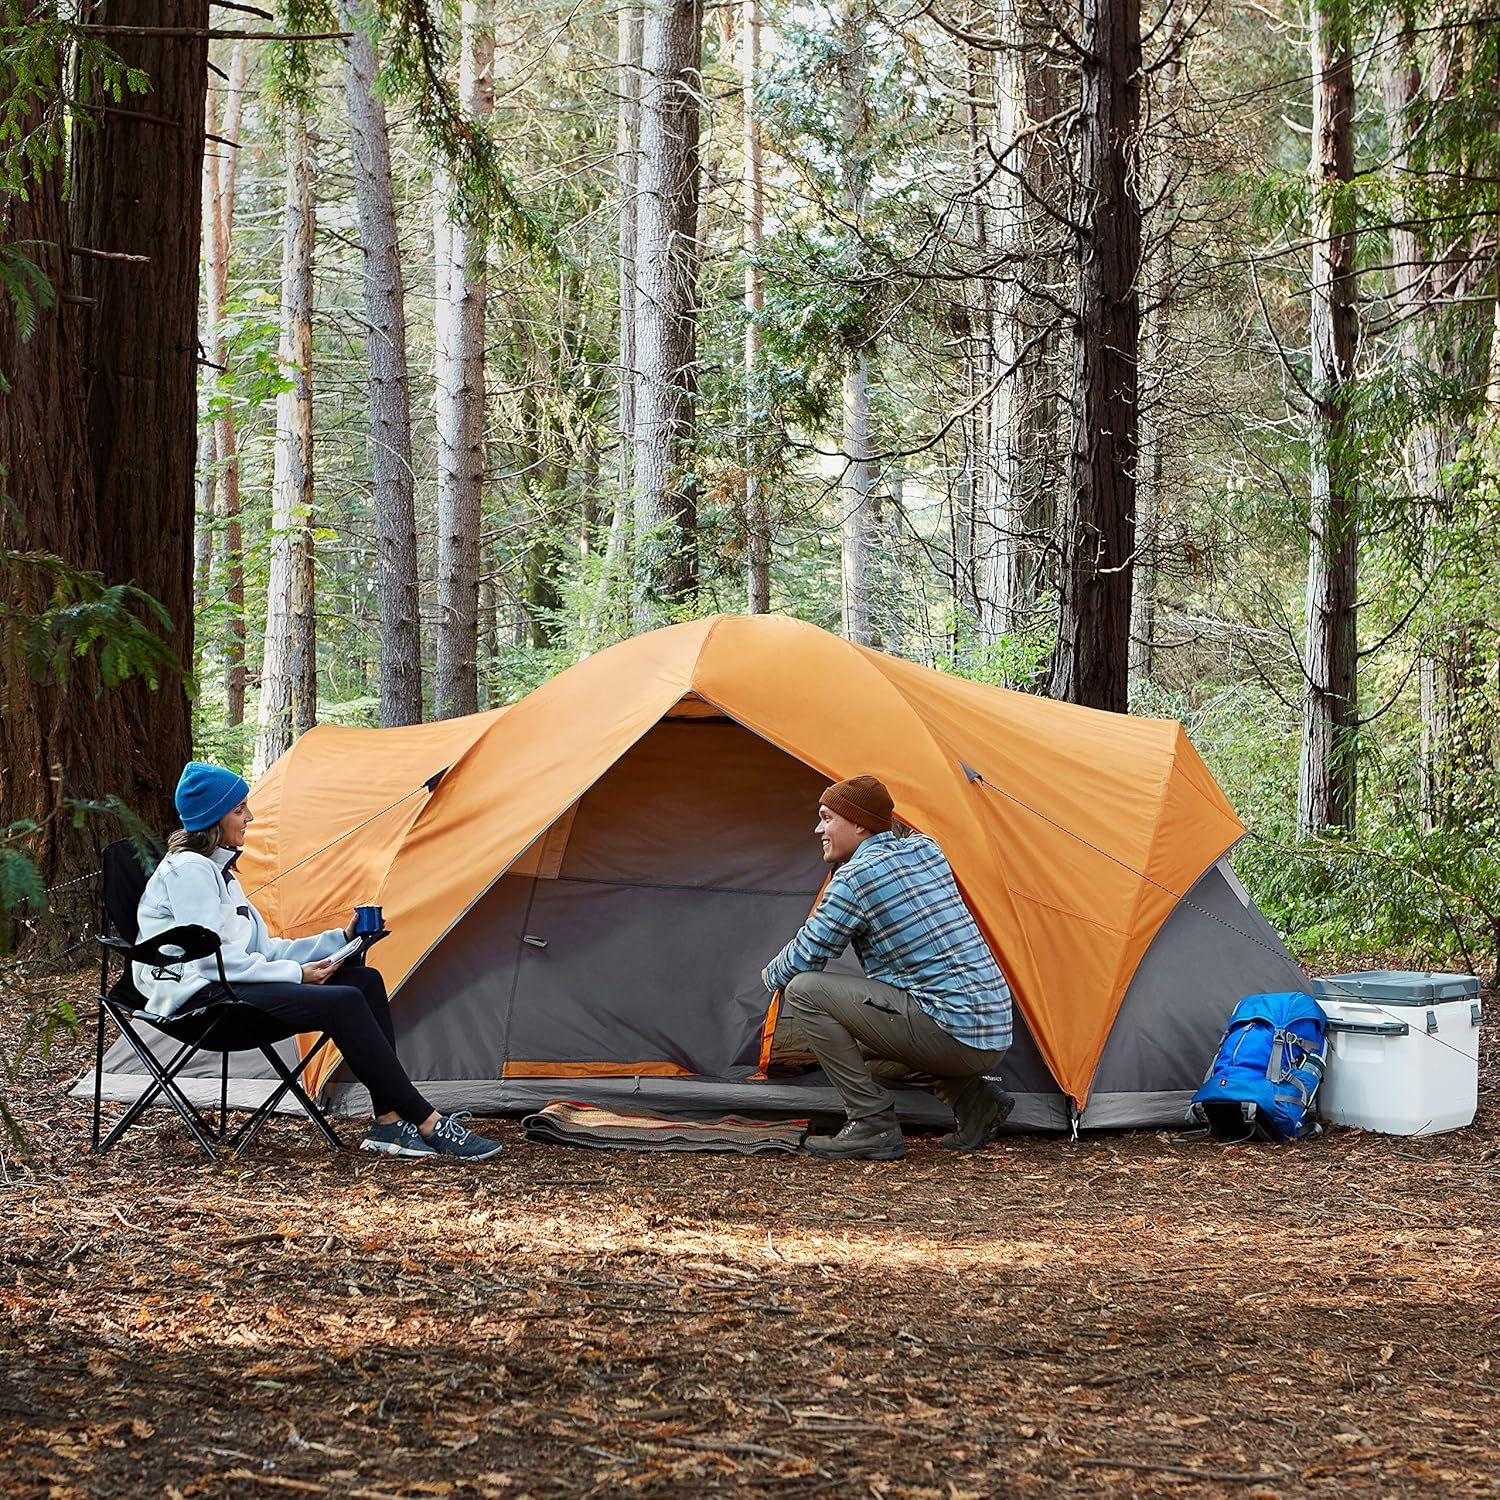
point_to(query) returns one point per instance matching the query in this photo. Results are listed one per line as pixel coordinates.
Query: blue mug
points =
(368, 919)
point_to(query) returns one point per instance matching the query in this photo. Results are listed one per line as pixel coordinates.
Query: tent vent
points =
(437, 776)
(970, 772)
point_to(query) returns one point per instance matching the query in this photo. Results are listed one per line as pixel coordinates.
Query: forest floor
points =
(1127, 1315)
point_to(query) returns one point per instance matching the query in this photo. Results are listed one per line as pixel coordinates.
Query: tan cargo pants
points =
(861, 1030)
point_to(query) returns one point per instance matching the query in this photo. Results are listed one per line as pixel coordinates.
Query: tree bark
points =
(1158, 273)
(998, 210)
(1091, 662)
(1431, 446)
(461, 411)
(288, 688)
(1326, 782)
(664, 571)
(627, 167)
(203, 520)
(855, 530)
(136, 189)
(757, 509)
(54, 745)
(223, 161)
(390, 396)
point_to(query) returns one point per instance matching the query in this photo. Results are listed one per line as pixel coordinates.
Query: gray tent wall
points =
(637, 938)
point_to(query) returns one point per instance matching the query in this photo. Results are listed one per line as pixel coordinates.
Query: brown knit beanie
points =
(863, 800)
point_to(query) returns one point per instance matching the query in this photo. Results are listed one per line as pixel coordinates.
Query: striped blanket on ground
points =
(568, 1122)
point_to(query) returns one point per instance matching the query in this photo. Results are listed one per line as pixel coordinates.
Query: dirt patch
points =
(1123, 1316)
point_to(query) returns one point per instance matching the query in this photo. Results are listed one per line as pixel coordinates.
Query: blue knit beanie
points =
(205, 793)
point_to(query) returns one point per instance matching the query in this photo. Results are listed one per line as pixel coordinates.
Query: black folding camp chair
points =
(220, 1023)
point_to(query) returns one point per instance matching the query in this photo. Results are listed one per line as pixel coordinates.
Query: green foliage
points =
(36, 115)
(25, 285)
(58, 614)
(20, 880)
(35, 109)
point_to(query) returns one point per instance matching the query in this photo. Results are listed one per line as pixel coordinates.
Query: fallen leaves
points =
(1117, 1316)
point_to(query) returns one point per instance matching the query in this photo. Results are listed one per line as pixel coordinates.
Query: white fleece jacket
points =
(203, 889)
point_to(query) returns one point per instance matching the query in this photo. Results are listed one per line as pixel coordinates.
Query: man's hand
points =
(317, 972)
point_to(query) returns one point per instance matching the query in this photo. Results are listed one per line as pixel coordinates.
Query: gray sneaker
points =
(452, 1139)
(399, 1138)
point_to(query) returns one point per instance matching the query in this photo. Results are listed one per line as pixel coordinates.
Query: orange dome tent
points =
(585, 885)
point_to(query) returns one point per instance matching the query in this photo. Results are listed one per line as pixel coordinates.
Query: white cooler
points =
(1403, 1051)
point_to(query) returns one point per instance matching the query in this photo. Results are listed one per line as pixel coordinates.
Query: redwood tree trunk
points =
(1091, 662)
(1326, 782)
(136, 189)
(53, 745)
(385, 347)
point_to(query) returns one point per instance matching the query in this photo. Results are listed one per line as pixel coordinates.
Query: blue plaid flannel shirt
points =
(896, 900)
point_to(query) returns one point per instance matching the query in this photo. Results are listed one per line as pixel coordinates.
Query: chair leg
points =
(163, 1082)
(224, 1098)
(290, 1084)
(98, 1072)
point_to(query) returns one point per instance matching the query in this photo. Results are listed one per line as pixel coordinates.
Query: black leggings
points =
(353, 1008)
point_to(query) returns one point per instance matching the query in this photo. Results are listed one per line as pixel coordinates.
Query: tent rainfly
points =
(582, 888)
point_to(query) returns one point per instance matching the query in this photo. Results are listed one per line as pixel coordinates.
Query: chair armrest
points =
(119, 944)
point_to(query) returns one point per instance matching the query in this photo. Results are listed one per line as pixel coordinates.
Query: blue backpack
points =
(1267, 1070)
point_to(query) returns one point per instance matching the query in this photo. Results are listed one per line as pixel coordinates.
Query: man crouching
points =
(932, 999)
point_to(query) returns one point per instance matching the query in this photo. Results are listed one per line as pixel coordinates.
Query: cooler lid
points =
(1397, 987)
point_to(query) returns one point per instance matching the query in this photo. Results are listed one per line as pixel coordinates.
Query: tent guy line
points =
(429, 785)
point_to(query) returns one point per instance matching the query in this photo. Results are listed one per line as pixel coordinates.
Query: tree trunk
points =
(288, 687)
(757, 509)
(203, 519)
(855, 530)
(54, 745)
(1431, 446)
(998, 201)
(203, 522)
(1326, 782)
(666, 502)
(461, 411)
(385, 346)
(1151, 498)
(489, 632)
(137, 190)
(1091, 661)
(855, 487)
(225, 440)
(627, 165)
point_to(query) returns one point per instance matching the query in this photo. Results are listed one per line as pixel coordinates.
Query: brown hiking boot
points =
(978, 1113)
(877, 1138)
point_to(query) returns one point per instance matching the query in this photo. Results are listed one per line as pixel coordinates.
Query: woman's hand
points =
(349, 930)
(316, 973)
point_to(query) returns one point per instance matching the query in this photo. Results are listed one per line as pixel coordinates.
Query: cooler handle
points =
(1476, 1012)
(1370, 1028)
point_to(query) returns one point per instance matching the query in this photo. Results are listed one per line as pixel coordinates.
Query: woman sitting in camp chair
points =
(289, 978)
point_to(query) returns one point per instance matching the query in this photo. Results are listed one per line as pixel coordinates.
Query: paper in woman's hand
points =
(339, 955)
(359, 943)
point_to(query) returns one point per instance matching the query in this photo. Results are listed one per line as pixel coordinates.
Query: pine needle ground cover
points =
(1122, 1316)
